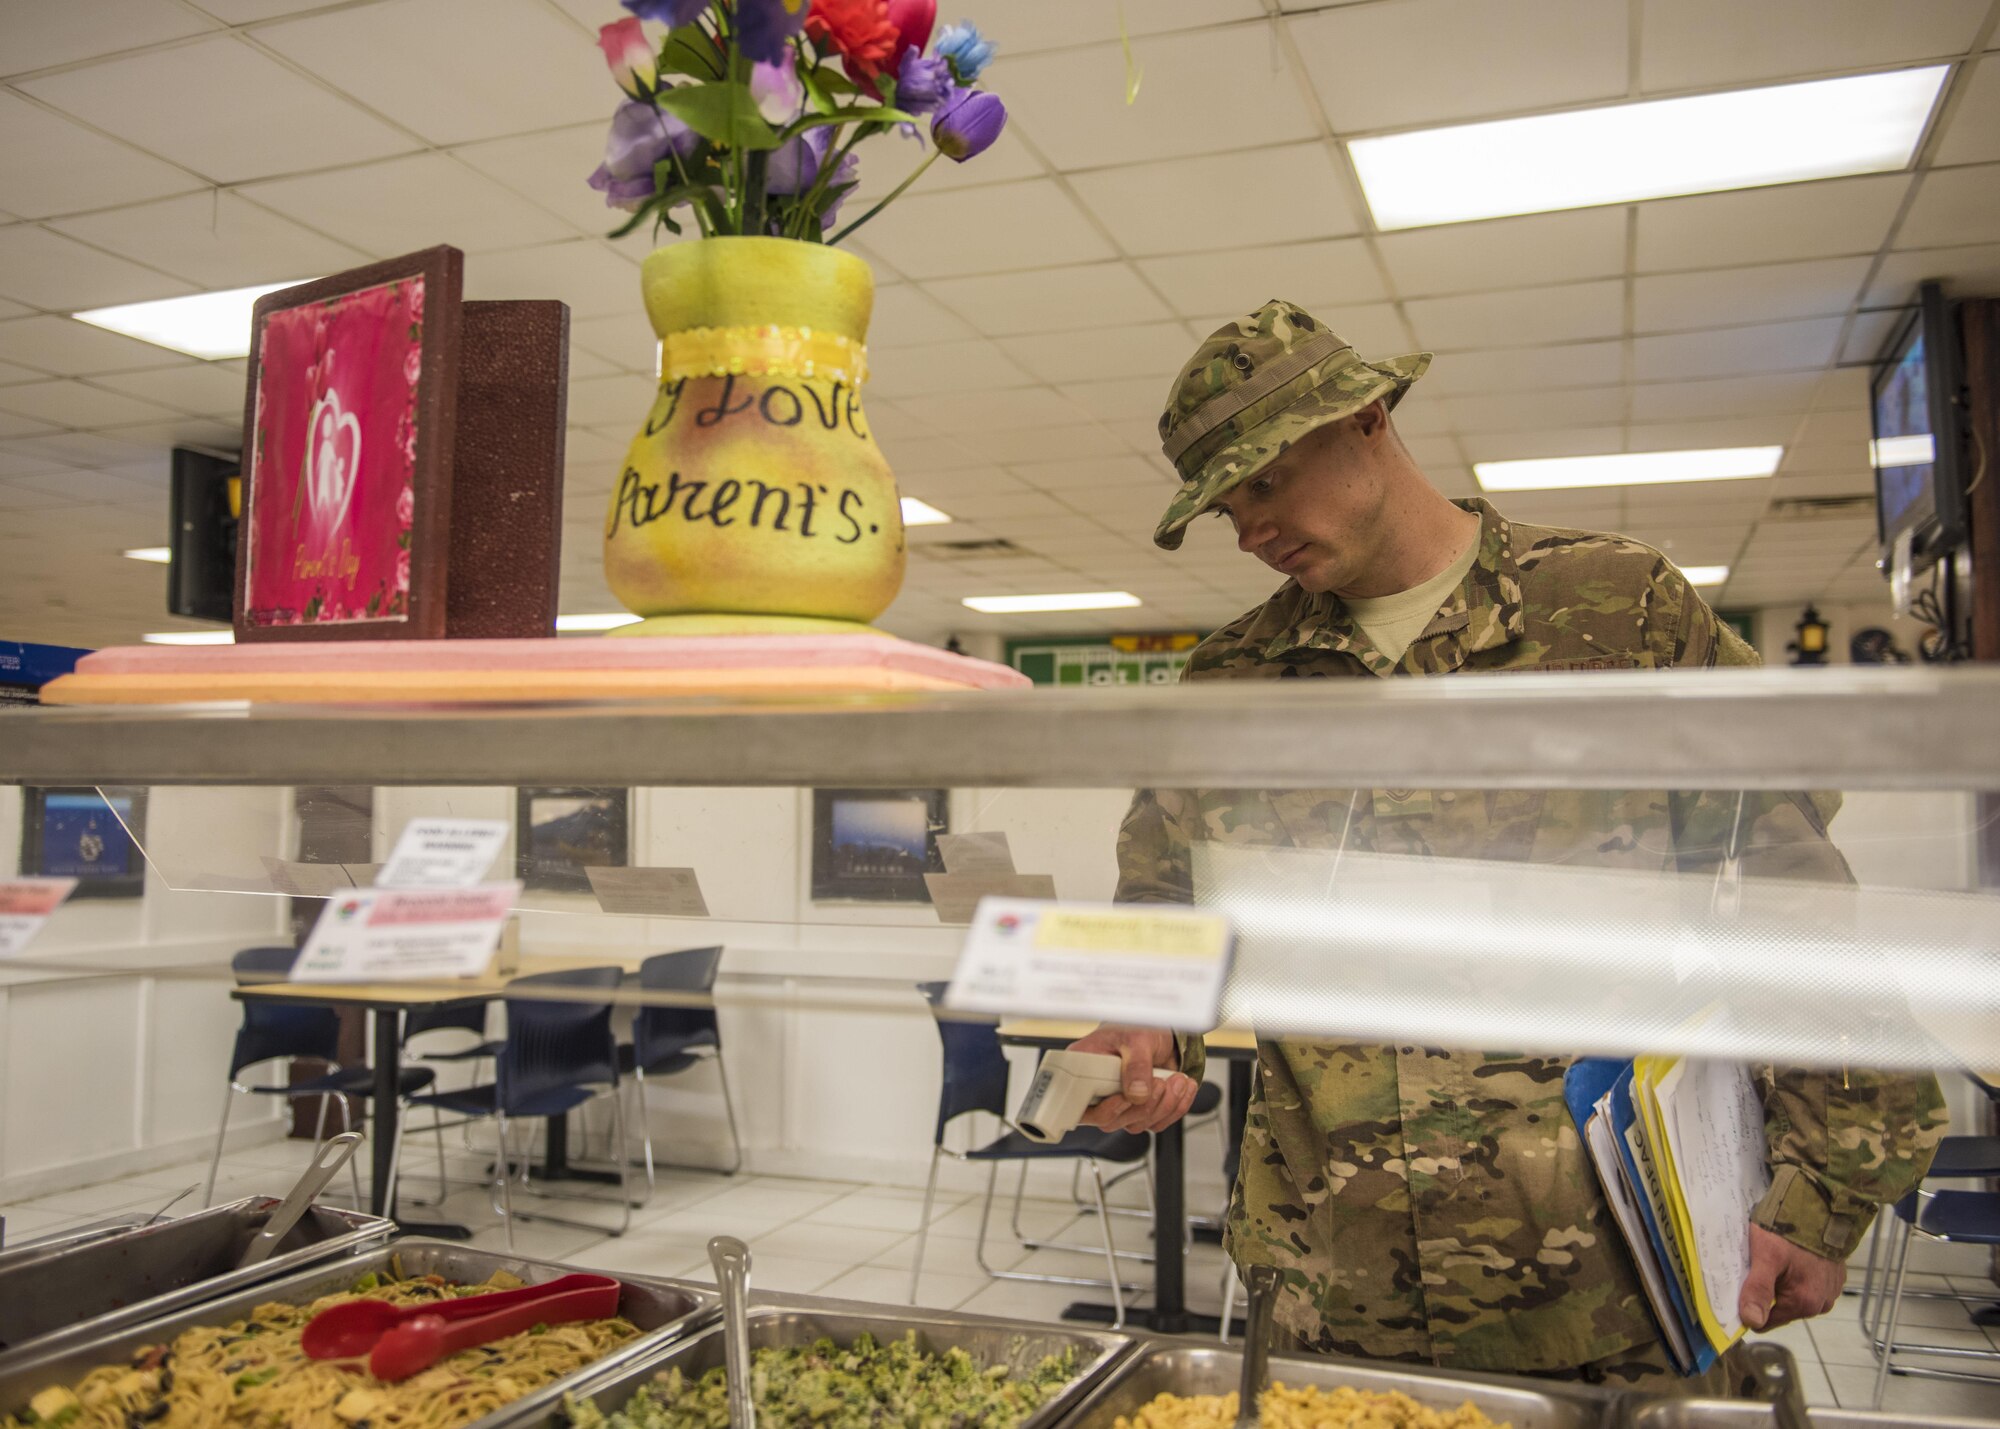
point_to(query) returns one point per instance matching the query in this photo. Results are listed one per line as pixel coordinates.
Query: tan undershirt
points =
(1393, 621)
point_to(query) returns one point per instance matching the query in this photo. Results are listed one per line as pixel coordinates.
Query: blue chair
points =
(1959, 1158)
(559, 1053)
(277, 1032)
(467, 1016)
(1954, 1217)
(975, 1079)
(667, 1040)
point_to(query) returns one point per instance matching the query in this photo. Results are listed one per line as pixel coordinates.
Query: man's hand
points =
(1786, 1283)
(1147, 1103)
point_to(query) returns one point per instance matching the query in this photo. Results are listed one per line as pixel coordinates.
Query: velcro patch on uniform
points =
(1591, 662)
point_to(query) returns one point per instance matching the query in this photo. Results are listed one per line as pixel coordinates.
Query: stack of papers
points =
(1679, 1147)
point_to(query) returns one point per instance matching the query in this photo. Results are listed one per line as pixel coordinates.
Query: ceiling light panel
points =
(922, 513)
(1662, 148)
(1032, 604)
(1627, 469)
(209, 325)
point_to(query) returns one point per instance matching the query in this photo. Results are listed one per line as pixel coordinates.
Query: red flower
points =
(860, 30)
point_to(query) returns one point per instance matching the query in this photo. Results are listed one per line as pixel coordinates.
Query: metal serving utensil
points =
(1775, 1378)
(182, 1195)
(731, 1259)
(328, 1158)
(1262, 1281)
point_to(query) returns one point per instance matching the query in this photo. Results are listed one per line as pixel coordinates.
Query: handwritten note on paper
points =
(1714, 1122)
(981, 853)
(956, 895)
(649, 892)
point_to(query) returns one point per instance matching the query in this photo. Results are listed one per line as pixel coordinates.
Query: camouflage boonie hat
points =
(1252, 389)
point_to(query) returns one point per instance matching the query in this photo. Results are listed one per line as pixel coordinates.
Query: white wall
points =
(1773, 627)
(115, 1026)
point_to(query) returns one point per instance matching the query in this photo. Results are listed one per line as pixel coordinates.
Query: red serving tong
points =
(402, 1340)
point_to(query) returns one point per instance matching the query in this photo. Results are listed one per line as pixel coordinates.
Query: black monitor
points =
(1918, 453)
(203, 503)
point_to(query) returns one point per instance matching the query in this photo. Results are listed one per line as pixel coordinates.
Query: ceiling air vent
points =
(967, 550)
(1821, 508)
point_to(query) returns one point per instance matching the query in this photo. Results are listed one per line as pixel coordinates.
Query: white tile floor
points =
(857, 1241)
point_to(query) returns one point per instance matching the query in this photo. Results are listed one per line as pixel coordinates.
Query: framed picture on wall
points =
(86, 835)
(559, 833)
(876, 845)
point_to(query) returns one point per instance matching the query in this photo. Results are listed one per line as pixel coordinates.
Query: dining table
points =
(387, 1003)
(1168, 1314)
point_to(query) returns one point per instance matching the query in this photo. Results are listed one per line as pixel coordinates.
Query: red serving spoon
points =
(401, 1340)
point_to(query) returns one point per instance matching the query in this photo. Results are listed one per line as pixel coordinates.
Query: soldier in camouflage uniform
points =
(1428, 1204)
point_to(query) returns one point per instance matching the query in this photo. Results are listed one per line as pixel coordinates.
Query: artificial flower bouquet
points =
(748, 112)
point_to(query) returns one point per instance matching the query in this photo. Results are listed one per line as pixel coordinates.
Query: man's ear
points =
(1372, 420)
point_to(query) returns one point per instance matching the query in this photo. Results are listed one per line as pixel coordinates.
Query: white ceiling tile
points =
(1954, 206)
(43, 34)
(1051, 443)
(1824, 456)
(51, 164)
(210, 107)
(69, 403)
(1519, 369)
(51, 271)
(1506, 252)
(14, 424)
(625, 339)
(1221, 201)
(1764, 430)
(10, 309)
(10, 373)
(244, 12)
(1569, 313)
(1966, 272)
(915, 374)
(937, 455)
(888, 160)
(1426, 61)
(1123, 400)
(1051, 299)
(1691, 44)
(609, 401)
(1025, 26)
(552, 169)
(214, 240)
(69, 348)
(1852, 424)
(987, 230)
(1102, 352)
(455, 70)
(1337, 270)
(1772, 347)
(1202, 91)
(1093, 473)
(1769, 225)
(401, 205)
(907, 316)
(583, 363)
(1869, 336)
(1520, 411)
(979, 415)
(1972, 134)
(1723, 397)
(1772, 292)
(1569, 441)
(592, 279)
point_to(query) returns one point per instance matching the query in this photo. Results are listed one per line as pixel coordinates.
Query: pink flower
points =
(630, 57)
(406, 506)
(410, 446)
(413, 364)
(417, 301)
(402, 572)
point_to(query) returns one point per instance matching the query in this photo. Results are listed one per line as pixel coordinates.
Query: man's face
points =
(1315, 512)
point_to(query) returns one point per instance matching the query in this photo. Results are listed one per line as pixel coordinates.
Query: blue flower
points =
(963, 45)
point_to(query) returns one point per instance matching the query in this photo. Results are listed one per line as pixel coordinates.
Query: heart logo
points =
(333, 461)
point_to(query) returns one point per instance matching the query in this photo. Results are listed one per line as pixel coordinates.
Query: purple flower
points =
(922, 84)
(667, 12)
(776, 88)
(967, 124)
(763, 27)
(795, 166)
(641, 135)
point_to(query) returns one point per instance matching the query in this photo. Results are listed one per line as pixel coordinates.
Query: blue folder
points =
(1584, 1085)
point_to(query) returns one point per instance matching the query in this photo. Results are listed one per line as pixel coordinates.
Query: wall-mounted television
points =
(203, 500)
(1918, 404)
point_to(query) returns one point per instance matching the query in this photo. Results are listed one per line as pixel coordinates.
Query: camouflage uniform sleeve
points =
(1841, 1143)
(1155, 865)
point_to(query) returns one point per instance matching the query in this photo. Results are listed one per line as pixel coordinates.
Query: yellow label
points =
(1158, 935)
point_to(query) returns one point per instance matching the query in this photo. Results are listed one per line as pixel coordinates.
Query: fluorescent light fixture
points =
(1915, 450)
(922, 513)
(1705, 575)
(1028, 604)
(158, 555)
(1627, 469)
(211, 325)
(1624, 153)
(610, 620)
(192, 637)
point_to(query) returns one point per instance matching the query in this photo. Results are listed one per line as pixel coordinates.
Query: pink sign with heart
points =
(332, 494)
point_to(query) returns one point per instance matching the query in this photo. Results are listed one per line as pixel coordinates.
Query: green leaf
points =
(835, 81)
(689, 51)
(816, 90)
(633, 222)
(720, 113)
(853, 114)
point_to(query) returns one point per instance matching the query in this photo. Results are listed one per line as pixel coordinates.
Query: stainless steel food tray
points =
(14, 1252)
(99, 1283)
(1744, 1414)
(1017, 1344)
(1176, 1367)
(664, 1309)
